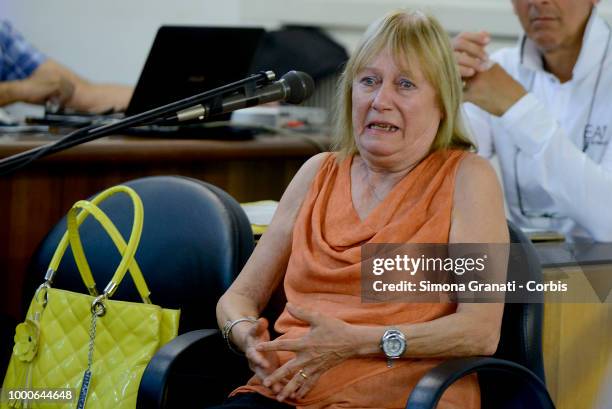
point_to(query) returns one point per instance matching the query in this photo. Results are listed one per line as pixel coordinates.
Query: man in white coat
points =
(545, 108)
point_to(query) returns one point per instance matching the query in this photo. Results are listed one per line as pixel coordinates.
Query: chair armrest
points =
(195, 365)
(430, 388)
(154, 382)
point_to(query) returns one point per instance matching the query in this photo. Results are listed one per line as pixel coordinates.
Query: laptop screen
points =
(186, 61)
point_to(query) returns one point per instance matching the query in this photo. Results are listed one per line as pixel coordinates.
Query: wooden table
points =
(33, 199)
(577, 336)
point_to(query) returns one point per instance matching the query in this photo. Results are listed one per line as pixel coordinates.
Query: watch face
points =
(394, 345)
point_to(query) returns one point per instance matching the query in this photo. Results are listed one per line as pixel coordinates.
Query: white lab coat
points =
(539, 140)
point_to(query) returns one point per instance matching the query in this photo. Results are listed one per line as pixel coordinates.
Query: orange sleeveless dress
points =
(323, 274)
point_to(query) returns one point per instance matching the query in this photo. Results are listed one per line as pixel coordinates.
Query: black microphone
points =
(294, 87)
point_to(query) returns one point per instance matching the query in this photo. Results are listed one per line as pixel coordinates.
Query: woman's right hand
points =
(261, 363)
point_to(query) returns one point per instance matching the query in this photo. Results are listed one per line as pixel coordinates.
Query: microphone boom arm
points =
(89, 133)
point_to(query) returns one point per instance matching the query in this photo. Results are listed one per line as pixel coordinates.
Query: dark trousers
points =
(251, 401)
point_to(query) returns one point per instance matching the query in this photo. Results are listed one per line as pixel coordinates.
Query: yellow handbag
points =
(87, 351)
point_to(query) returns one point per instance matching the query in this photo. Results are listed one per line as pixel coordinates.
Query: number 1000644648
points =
(37, 395)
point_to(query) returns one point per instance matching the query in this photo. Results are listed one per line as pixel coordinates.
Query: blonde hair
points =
(408, 35)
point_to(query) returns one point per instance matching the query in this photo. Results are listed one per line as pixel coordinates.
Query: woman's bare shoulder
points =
(297, 190)
(302, 180)
(475, 175)
(310, 168)
(478, 203)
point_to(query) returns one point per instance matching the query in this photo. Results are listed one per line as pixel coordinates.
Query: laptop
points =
(183, 61)
(188, 60)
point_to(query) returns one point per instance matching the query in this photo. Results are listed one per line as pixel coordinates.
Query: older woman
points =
(403, 174)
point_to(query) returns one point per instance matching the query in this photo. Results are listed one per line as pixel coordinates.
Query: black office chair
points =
(195, 240)
(512, 378)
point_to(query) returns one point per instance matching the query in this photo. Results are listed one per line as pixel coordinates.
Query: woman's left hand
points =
(328, 343)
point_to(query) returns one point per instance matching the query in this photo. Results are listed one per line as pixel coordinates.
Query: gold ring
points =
(303, 374)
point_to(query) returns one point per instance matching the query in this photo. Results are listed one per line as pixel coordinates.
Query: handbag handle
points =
(124, 249)
(127, 250)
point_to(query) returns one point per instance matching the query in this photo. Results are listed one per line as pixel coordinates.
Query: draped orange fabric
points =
(323, 275)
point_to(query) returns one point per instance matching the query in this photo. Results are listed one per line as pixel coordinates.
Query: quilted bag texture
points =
(54, 346)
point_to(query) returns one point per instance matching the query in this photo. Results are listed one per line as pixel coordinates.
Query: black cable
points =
(15, 162)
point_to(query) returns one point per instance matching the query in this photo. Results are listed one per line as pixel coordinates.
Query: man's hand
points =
(486, 84)
(327, 344)
(470, 53)
(38, 89)
(493, 90)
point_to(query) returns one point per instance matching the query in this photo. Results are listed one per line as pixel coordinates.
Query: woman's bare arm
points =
(265, 269)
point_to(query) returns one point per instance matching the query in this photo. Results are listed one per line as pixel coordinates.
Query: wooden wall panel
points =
(32, 200)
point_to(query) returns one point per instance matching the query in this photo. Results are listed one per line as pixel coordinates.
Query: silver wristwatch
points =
(393, 344)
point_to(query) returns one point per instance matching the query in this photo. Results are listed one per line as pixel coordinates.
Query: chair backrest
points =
(195, 240)
(521, 333)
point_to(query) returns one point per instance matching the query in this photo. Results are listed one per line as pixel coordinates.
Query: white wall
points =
(108, 40)
(347, 19)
